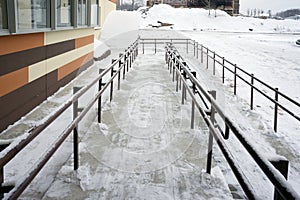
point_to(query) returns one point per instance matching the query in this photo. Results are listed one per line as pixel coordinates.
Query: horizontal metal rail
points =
(277, 179)
(224, 62)
(15, 147)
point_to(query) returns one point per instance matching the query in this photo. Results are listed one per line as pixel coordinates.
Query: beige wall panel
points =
(106, 8)
(63, 59)
(60, 36)
(37, 70)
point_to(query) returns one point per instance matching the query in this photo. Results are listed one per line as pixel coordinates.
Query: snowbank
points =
(120, 29)
(199, 19)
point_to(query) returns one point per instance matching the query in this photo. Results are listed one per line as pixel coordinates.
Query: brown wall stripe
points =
(19, 102)
(13, 81)
(14, 43)
(18, 60)
(72, 66)
(80, 42)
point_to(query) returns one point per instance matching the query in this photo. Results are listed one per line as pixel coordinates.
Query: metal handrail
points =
(278, 95)
(15, 147)
(277, 179)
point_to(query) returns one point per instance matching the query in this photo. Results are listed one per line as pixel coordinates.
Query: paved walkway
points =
(144, 149)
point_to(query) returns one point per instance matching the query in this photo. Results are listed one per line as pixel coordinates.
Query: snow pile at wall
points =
(199, 19)
(120, 28)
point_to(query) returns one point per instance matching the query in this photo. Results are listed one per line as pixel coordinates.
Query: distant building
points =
(232, 7)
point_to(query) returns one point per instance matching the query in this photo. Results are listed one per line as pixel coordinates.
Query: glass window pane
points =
(94, 12)
(63, 12)
(32, 14)
(81, 18)
(3, 15)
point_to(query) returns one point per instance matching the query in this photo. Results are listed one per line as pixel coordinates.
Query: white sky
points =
(274, 5)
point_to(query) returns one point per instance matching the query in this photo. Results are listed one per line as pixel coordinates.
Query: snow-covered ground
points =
(134, 153)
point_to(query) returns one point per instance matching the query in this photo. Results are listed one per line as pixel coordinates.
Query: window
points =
(63, 13)
(32, 14)
(3, 15)
(94, 12)
(82, 13)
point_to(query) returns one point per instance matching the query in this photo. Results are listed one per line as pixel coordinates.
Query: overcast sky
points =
(274, 5)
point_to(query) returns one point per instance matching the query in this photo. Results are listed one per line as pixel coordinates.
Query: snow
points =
(198, 19)
(144, 148)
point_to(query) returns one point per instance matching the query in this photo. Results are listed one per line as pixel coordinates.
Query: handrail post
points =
(252, 91)
(214, 64)
(119, 71)
(155, 45)
(282, 166)
(100, 98)
(112, 81)
(174, 65)
(187, 46)
(194, 47)
(177, 76)
(124, 67)
(75, 131)
(207, 58)
(75, 148)
(197, 50)
(210, 139)
(143, 46)
(127, 60)
(276, 110)
(183, 86)
(193, 103)
(201, 53)
(223, 70)
(234, 86)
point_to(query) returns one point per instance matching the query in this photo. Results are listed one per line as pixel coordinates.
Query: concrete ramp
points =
(144, 147)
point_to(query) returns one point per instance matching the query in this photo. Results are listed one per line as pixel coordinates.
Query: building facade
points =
(43, 46)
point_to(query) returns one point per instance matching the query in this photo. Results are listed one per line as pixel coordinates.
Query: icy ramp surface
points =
(144, 148)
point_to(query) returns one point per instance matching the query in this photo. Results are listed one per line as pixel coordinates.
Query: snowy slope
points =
(198, 19)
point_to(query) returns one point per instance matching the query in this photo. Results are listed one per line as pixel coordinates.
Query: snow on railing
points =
(192, 86)
(9, 151)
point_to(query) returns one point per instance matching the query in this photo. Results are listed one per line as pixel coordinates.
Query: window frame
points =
(51, 18)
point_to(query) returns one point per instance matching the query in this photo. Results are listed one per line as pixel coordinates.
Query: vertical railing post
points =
(214, 64)
(223, 70)
(124, 67)
(187, 46)
(207, 58)
(276, 110)
(119, 71)
(252, 91)
(143, 46)
(174, 65)
(112, 81)
(201, 53)
(155, 45)
(177, 76)
(100, 98)
(75, 148)
(193, 104)
(282, 166)
(234, 85)
(127, 60)
(194, 44)
(197, 48)
(210, 139)
(75, 131)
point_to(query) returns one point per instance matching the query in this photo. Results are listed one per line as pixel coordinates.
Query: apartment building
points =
(44, 44)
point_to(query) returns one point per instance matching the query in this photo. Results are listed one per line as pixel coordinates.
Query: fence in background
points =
(8, 151)
(202, 52)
